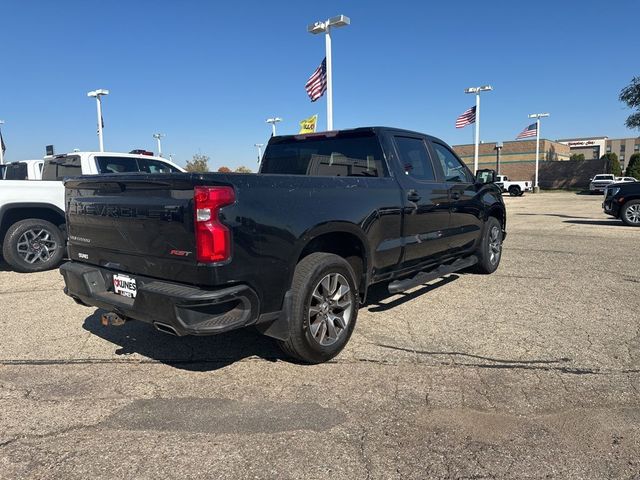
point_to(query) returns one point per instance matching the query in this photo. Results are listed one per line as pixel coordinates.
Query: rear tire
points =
(33, 245)
(324, 308)
(490, 250)
(630, 213)
(515, 191)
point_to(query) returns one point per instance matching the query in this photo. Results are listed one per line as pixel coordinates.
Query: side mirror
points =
(485, 176)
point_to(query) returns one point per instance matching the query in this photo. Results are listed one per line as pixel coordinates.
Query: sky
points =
(208, 73)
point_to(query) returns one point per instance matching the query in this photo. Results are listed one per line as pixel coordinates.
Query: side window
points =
(155, 166)
(117, 164)
(414, 158)
(454, 170)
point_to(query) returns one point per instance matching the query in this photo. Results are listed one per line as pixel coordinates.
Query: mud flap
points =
(279, 327)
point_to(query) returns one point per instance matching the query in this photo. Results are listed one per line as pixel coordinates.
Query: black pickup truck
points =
(291, 250)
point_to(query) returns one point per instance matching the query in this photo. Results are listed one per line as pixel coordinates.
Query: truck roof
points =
(348, 131)
(110, 154)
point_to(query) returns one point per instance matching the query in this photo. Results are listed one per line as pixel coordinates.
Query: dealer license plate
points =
(124, 285)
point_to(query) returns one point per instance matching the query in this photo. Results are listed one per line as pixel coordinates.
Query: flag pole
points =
(327, 38)
(477, 141)
(1, 150)
(537, 116)
(99, 107)
(535, 186)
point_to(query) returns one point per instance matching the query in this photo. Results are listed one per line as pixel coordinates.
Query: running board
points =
(398, 286)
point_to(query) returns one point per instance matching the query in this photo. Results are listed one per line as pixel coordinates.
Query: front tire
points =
(324, 308)
(33, 245)
(490, 251)
(630, 213)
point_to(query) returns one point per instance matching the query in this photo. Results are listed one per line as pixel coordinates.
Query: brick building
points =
(517, 158)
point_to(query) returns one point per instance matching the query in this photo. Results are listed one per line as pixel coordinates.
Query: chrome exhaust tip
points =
(163, 327)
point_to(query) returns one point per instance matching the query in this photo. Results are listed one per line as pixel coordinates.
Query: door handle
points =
(455, 195)
(413, 196)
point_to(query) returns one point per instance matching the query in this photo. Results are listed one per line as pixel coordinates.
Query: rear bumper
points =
(187, 310)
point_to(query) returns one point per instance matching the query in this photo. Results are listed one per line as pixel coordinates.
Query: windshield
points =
(603, 177)
(132, 165)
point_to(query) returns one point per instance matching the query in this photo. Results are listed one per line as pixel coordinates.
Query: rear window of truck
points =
(341, 156)
(61, 167)
(16, 171)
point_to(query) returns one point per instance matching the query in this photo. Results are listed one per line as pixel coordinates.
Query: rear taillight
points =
(213, 239)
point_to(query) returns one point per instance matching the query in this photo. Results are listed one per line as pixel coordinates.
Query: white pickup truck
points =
(600, 182)
(32, 211)
(515, 189)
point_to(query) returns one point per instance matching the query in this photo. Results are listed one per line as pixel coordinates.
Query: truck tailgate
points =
(139, 224)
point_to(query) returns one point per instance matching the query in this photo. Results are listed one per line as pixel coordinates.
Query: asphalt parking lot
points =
(533, 372)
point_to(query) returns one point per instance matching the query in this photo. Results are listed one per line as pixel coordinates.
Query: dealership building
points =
(517, 158)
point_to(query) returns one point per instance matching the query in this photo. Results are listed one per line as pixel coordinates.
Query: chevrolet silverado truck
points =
(32, 230)
(601, 181)
(291, 250)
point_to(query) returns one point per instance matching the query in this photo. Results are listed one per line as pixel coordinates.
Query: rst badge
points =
(179, 253)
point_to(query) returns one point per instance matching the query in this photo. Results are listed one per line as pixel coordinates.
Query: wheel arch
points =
(499, 212)
(14, 212)
(343, 239)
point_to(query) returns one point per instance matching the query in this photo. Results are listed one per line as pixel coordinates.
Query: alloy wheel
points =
(495, 244)
(632, 213)
(330, 309)
(36, 245)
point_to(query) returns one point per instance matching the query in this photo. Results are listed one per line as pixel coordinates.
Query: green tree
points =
(612, 165)
(243, 169)
(577, 156)
(198, 164)
(633, 168)
(631, 96)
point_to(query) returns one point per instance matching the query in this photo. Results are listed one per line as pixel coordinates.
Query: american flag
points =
(467, 118)
(317, 83)
(530, 131)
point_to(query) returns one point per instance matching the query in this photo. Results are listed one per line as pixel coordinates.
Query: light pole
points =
(97, 94)
(325, 27)
(537, 116)
(158, 136)
(259, 147)
(477, 90)
(498, 148)
(1, 146)
(273, 122)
